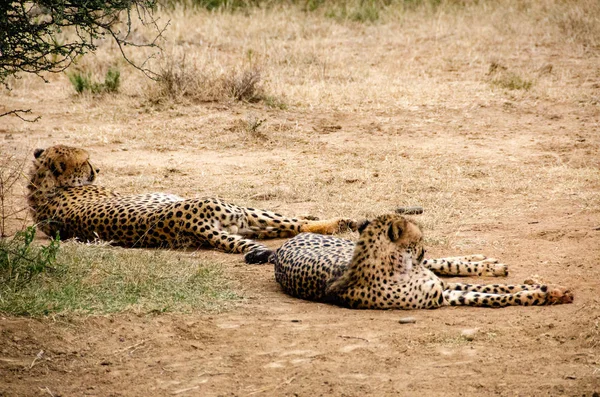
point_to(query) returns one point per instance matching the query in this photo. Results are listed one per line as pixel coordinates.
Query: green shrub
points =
(112, 80)
(82, 82)
(21, 260)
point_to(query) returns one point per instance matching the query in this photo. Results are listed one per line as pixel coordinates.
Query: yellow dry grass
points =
(370, 107)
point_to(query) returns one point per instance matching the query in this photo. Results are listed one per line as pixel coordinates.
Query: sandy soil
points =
(510, 174)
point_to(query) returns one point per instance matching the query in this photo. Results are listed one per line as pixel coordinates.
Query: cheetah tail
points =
(409, 210)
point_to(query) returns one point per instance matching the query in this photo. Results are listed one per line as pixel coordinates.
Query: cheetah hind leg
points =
(544, 295)
(471, 265)
(267, 224)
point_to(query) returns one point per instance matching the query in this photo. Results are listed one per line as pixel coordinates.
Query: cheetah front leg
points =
(544, 295)
(472, 265)
(267, 224)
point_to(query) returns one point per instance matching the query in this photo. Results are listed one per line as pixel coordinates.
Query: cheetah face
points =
(395, 238)
(63, 166)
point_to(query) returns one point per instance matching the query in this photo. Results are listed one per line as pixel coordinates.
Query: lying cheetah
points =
(65, 202)
(385, 270)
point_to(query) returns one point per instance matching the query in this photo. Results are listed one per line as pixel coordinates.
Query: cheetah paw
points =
(557, 295)
(258, 256)
(331, 226)
(345, 224)
(495, 270)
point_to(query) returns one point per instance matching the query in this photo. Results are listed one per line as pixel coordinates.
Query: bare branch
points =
(16, 113)
(31, 32)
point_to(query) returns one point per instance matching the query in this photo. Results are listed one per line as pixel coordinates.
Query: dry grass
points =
(184, 78)
(13, 210)
(416, 72)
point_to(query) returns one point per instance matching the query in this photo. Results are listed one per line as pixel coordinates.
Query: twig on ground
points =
(47, 390)
(352, 337)
(124, 349)
(188, 389)
(37, 357)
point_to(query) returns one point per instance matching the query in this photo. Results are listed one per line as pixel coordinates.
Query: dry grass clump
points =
(503, 78)
(250, 126)
(13, 212)
(357, 11)
(183, 78)
(512, 81)
(244, 85)
(179, 78)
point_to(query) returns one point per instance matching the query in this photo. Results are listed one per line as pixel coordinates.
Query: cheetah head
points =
(392, 242)
(388, 248)
(62, 166)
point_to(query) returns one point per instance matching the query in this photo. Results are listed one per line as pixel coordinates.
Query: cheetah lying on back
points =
(385, 270)
(65, 202)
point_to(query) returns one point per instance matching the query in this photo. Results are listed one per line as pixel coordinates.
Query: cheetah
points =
(385, 269)
(64, 201)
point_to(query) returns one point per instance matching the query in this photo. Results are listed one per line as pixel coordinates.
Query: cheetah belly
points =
(307, 263)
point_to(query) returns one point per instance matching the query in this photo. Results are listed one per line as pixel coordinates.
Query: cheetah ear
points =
(37, 153)
(395, 231)
(362, 225)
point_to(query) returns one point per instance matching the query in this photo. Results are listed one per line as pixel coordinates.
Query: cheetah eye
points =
(53, 169)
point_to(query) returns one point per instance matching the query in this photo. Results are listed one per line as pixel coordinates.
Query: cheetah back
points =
(307, 263)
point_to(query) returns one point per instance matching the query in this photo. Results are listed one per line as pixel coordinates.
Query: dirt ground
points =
(378, 116)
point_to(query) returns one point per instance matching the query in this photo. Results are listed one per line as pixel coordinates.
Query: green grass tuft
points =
(512, 81)
(95, 279)
(82, 82)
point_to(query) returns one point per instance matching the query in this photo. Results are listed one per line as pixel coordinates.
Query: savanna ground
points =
(487, 115)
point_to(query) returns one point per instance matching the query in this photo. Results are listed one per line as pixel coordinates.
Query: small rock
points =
(296, 321)
(407, 320)
(469, 333)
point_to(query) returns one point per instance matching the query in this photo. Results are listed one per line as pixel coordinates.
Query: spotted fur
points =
(64, 201)
(385, 270)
